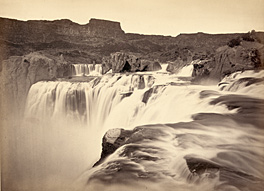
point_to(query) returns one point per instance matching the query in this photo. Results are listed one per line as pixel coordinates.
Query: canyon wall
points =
(47, 31)
(20, 72)
(31, 51)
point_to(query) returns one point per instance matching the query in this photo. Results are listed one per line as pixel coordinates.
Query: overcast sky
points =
(166, 17)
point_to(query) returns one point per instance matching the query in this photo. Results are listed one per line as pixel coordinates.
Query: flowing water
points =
(87, 69)
(183, 136)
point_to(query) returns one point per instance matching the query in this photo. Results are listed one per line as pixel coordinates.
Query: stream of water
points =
(219, 125)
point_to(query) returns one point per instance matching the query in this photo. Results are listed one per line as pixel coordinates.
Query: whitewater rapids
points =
(184, 136)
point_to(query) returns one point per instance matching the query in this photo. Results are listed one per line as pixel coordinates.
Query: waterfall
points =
(86, 69)
(184, 136)
(247, 83)
(164, 68)
(85, 103)
(186, 71)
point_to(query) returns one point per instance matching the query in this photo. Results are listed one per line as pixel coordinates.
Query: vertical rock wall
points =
(20, 72)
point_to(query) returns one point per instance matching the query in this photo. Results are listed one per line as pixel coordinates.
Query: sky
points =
(162, 17)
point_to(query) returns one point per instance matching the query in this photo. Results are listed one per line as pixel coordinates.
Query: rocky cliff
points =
(226, 60)
(20, 72)
(219, 57)
(59, 43)
(47, 31)
(18, 38)
(98, 38)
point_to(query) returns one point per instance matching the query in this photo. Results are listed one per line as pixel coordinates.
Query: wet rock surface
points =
(139, 154)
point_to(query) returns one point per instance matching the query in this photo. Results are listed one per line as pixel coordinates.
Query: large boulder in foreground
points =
(124, 62)
(20, 72)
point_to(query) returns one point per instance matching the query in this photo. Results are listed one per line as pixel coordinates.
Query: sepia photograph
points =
(142, 95)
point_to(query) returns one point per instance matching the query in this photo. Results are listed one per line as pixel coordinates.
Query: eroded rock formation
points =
(124, 62)
(20, 72)
(246, 56)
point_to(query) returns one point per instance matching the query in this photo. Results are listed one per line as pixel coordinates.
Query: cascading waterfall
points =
(80, 102)
(186, 71)
(177, 124)
(86, 69)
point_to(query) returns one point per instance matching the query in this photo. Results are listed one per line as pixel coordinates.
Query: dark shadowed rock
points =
(183, 58)
(147, 95)
(125, 62)
(112, 140)
(147, 65)
(154, 90)
(245, 56)
(199, 166)
(211, 169)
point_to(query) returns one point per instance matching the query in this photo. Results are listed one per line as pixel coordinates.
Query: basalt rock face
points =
(147, 65)
(89, 43)
(20, 72)
(124, 62)
(105, 28)
(214, 56)
(246, 56)
(47, 31)
(78, 43)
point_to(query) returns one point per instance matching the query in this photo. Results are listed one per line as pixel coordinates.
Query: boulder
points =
(182, 58)
(116, 138)
(120, 62)
(124, 62)
(112, 140)
(147, 65)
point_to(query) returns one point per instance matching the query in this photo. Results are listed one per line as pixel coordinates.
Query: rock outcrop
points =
(124, 62)
(216, 55)
(104, 28)
(20, 72)
(246, 56)
(112, 140)
(147, 65)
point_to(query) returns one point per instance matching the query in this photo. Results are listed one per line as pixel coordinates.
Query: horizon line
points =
(136, 33)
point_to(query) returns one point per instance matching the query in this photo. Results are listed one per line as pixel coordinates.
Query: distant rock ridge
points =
(105, 28)
(98, 40)
(46, 31)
